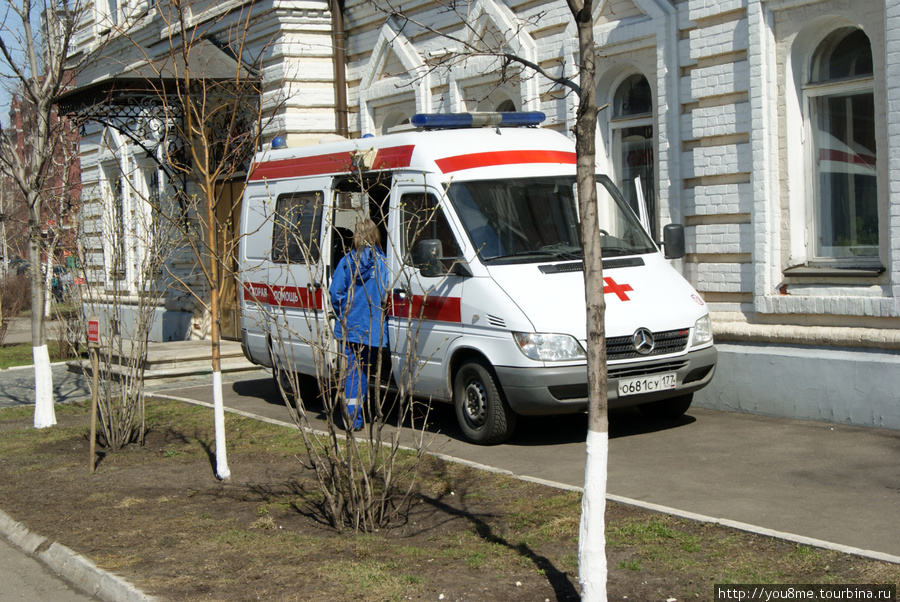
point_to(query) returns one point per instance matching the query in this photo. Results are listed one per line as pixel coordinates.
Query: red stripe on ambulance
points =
(494, 158)
(283, 296)
(421, 307)
(385, 158)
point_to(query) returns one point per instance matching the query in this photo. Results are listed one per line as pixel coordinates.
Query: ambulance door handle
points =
(315, 285)
(403, 293)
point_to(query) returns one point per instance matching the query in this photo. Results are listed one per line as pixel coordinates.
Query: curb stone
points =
(72, 567)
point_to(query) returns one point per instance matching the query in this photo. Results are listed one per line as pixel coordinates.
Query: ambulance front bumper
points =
(549, 390)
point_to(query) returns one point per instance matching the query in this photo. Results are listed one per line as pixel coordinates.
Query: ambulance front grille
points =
(665, 342)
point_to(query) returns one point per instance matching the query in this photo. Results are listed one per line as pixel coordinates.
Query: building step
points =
(179, 358)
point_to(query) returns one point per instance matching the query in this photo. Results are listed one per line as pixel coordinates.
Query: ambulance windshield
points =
(527, 220)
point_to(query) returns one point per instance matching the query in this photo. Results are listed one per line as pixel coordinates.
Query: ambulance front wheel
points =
(481, 409)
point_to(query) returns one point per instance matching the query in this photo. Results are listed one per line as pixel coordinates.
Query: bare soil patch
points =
(156, 516)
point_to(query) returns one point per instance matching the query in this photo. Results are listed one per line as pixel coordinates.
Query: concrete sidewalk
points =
(19, 330)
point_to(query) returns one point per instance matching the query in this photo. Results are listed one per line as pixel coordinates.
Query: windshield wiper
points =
(563, 251)
(540, 253)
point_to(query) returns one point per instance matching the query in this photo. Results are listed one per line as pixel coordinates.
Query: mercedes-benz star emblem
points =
(643, 341)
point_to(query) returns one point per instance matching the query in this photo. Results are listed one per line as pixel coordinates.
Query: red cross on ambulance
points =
(611, 286)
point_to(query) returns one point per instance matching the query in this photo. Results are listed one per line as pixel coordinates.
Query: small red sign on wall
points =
(93, 331)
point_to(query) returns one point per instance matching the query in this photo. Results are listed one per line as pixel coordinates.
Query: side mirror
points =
(427, 257)
(673, 241)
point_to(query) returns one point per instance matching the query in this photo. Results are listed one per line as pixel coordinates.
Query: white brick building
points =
(769, 128)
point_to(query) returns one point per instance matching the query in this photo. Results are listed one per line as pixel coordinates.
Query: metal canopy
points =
(142, 101)
(135, 91)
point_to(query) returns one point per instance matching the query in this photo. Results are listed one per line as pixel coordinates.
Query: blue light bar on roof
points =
(469, 120)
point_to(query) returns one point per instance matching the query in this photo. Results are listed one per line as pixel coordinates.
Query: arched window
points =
(632, 130)
(394, 119)
(841, 105)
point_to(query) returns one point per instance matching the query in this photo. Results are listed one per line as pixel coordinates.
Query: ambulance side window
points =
(425, 225)
(297, 228)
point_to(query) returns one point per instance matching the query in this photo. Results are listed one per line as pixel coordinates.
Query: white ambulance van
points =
(481, 231)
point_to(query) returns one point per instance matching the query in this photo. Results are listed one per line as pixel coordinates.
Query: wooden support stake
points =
(93, 331)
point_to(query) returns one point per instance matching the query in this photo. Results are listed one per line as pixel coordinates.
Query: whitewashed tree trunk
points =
(44, 414)
(592, 571)
(222, 470)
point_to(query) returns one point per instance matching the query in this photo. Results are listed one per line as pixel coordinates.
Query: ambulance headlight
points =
(549, 347)
(702, 331)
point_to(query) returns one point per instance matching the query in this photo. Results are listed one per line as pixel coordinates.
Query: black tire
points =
(308, 386)
(667, 409)
(481, 409)
(283, 383)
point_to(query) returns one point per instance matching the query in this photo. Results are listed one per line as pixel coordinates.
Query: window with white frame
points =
(840, 102)
(114, 245)
(148, 223)
(110, 14)
(632, 136)
(106, 14)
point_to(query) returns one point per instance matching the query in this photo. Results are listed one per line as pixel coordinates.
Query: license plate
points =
(647, 384)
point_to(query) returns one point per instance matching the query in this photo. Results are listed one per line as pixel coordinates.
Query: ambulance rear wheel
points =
(667, 409)
(306, 386)
(481, 409)
(283, 383)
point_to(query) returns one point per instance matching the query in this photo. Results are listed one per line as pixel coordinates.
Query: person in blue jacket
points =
(359, 289)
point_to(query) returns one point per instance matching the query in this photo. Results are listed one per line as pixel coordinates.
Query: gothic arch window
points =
(840, 105)
(394, 119)
(632, 142)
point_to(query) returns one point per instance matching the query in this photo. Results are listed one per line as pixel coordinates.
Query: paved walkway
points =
(25, 578)
(19, 330)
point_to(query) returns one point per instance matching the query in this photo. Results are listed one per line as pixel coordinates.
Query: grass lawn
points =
(20, 354)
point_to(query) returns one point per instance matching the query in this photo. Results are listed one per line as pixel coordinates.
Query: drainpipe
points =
(340, 81)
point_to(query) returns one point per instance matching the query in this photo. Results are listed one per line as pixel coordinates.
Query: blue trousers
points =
(361, 360)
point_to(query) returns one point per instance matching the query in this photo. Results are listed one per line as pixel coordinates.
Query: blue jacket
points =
(358, 291)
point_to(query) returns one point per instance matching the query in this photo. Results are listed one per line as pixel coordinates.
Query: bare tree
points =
(213, 125)
(363, 482)
(125, 319)
(592, 568)
(35, 39)
(493, 43)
